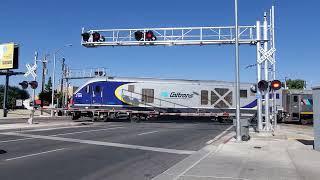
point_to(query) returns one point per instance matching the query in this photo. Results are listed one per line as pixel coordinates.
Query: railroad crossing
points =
(262, 35)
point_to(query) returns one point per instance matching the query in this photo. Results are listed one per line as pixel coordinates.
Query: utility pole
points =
(62, 77)
(66, 92)
(44, 72)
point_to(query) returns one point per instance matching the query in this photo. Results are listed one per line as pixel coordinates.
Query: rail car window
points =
(221, 91)
(204, 97)
(221, 104)
(295, 98)
(97, 89)
(228, 98)
(214, 97)
(243, 93)
(277, 96)
(131, 88)
(147, 95)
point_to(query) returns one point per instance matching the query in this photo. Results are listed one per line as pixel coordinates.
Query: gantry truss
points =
(85, 73)
(174, 36)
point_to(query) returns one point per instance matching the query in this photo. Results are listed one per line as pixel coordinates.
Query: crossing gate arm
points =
(173, 36)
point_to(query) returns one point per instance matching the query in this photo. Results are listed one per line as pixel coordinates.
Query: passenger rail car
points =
(297, 106)
(100, 97)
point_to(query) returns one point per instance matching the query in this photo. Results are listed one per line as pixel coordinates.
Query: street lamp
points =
(53, 75)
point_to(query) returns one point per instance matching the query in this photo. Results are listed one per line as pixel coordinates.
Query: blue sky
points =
(45, 26)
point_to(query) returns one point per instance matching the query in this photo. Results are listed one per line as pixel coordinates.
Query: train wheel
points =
(75, 116)
(106, 118)
(135, 118)
(304, 121)
(220, 120)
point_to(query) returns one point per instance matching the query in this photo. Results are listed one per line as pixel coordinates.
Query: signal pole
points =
(34, 78)
(5, 95)
(238, 135)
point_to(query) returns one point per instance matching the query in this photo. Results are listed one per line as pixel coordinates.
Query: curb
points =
(37, 126)
(35, 117)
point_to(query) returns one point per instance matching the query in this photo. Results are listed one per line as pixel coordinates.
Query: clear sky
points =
(45, 26)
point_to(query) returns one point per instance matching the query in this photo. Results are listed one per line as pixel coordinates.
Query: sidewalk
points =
(262, 158)
(22, 113)
(39, 122)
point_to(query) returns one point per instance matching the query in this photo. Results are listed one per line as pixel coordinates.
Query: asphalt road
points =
(113, 150)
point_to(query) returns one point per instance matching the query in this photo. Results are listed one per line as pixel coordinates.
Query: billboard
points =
(9, 56)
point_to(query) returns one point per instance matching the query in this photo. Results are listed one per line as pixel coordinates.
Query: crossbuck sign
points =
(31, 70)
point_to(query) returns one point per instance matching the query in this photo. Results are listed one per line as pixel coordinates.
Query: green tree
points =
(14, 93)
(48, 86)
(46, 95)
(295, 83)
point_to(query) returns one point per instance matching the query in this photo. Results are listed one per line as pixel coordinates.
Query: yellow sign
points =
(6, 56)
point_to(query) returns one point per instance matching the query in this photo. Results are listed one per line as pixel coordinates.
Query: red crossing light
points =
(95, 37)
(150, 36)
(275, 85)
(33, 84)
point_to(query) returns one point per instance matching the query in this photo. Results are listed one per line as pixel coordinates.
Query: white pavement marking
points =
(54, 128)
(13, 140)
(219, 136)
(214, 177)
(35, 154)
(100, 143)
(147, 133)
(78, 132)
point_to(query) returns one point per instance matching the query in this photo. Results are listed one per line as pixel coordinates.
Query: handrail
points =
(160, 100)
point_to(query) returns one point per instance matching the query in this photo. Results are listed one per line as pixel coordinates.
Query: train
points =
(297, 106)
(146, 98)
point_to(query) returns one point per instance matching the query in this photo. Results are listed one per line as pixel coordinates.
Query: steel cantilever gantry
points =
(262, 35)
(175, 36)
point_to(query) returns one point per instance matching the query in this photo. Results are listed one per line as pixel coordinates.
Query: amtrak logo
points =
(176, 95)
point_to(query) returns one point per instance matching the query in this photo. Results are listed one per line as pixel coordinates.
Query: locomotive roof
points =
(143, 79)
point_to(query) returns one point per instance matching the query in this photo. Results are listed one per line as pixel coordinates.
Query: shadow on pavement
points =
(2, 151)
(306, 142)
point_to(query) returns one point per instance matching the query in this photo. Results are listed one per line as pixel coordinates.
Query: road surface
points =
(111, 150)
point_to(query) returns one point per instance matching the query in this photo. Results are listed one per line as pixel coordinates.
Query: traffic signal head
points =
(33, 84)
(24, 84)
(138, 35)
(85, 36)
(95, 37)
(150, 36)
(275, 85)
(263, 85)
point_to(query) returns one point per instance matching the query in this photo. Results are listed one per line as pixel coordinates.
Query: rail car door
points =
(295, 107)
(97, 94)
